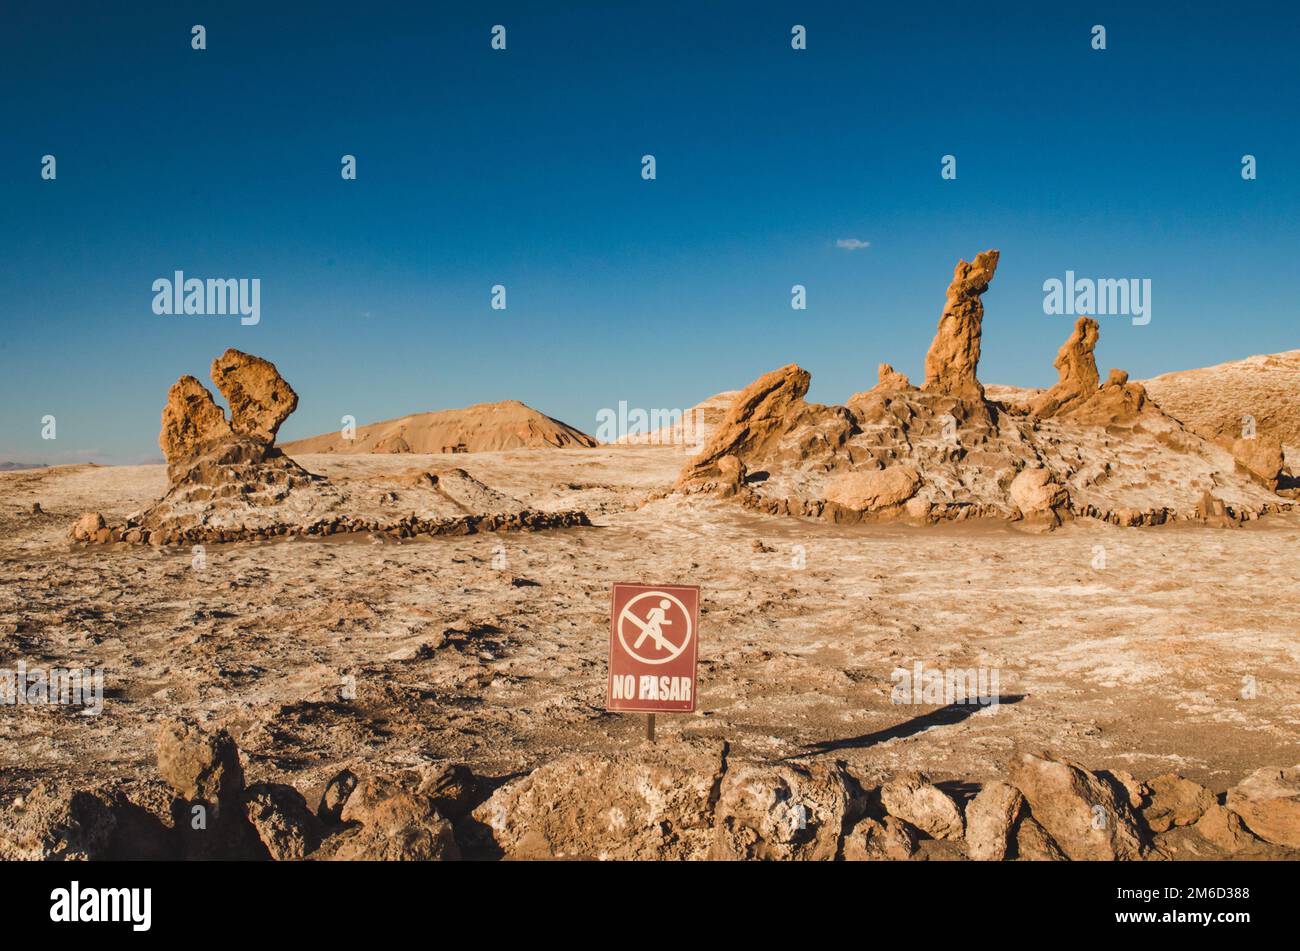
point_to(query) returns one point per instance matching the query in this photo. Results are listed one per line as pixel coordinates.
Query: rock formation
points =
(887, 378)
(259, 398)
(945, 452)
(1117, 402)
(190, 420)
(880, 840)
(229, 482)
(955, 353)
(1077, 394)
(1077, 368)
(757, 422)
(203, 448)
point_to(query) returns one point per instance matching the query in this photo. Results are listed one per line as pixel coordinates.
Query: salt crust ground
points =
(1138, 666)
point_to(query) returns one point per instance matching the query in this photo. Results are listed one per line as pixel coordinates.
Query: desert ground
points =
(342, 648)
(489, 649)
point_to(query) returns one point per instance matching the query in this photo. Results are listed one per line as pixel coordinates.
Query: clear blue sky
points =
(523, 168)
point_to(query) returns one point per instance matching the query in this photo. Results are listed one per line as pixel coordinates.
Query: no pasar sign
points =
(653, 641)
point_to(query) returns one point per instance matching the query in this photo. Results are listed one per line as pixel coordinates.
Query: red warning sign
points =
(653, 635)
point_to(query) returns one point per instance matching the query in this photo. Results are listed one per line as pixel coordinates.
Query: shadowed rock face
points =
(955, 353)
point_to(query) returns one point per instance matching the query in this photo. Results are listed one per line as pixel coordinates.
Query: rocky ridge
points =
(686, 799)
(944, 451)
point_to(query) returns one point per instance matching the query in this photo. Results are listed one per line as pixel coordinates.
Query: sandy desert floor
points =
(1180, 654)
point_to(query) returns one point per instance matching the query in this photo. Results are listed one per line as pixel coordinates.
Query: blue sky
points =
(478, 167)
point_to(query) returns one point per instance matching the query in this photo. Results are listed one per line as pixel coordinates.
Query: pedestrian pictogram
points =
(664, 645)
(652, 648)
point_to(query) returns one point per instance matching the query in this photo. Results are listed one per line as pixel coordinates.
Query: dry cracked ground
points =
(1151, 650)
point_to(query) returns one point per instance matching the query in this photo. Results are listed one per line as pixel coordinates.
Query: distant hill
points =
(483, 427)
(13, 466)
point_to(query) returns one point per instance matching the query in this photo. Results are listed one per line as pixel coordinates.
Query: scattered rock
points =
(335, 796)
(990, 821)
(655, 802)
(284, 823)
(1175, 801)
(451, 786)
(1034, 844)
(912, 798)
(1261, 456)
(87, 527)
(888, 839)
(395, 823)
(873, 489)
(780, 812)
(1268, 801)
(200, 766)
(1078, 809)
(1133, 790)
(1222, 827)
(49, 826)
(1035, 492)
(731, 471)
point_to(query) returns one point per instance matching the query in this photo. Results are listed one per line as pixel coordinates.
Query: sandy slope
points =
(1212, 400)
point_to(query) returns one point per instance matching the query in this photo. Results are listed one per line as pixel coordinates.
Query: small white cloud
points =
(852, 244)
